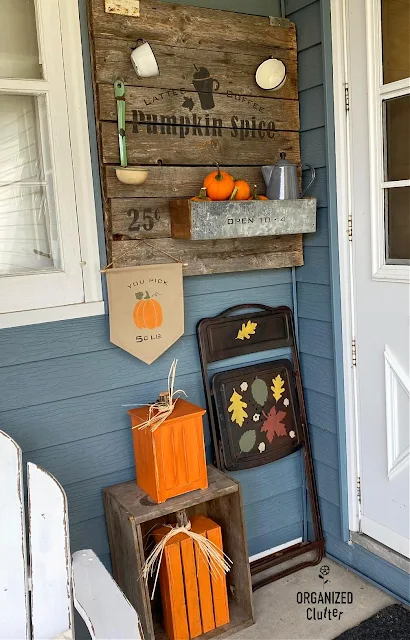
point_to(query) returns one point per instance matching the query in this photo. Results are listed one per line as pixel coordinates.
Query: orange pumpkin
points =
(244, 190)
(255, 195)
(201, 197)
(147, 312)
(219, 185)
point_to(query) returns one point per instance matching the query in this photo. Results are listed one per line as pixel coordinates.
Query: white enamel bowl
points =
(131, 175)
(271, 74)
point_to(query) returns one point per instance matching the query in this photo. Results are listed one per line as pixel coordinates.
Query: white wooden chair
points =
(39, 586)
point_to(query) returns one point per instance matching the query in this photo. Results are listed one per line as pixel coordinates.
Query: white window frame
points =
(378, 94)
(75, 291)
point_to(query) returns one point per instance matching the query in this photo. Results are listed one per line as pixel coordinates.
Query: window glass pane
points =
(18, 42)
(397, 138)
(396, 39)
(397, 207)
(28, 228)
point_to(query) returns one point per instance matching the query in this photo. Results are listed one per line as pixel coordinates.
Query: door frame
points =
(341, 60)
(341, 82)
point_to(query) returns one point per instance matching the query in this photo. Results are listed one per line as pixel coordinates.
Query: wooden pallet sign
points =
(203, 107)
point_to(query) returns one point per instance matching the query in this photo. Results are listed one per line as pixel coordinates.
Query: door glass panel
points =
(396, 39)
(19, 56)
(397, 138)
(397, 211)
(28, 227)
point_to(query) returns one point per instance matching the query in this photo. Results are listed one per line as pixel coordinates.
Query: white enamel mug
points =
(143, 60)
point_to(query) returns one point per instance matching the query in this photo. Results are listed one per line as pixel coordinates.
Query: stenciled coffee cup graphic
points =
(204, 86)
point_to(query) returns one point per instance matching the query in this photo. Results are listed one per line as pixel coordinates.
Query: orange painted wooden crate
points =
(194, 601)
(170, 460)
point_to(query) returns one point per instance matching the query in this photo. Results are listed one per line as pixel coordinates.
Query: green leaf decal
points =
(247, 441)
(259, 390)
(139, 295)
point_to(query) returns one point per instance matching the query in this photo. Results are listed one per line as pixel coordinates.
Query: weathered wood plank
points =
(214, 256)
(112, 61)
(194, 28)
(190, 145)
(140, 217)
(177, 182)
(142, 103)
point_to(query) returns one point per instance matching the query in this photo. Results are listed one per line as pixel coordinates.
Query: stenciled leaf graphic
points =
(278, 387)
(247, 441)
(246, 330)
(188, 103)
(237, 408)
(273, 425)
(259, 391)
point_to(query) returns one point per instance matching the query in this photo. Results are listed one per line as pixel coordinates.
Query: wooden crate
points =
(192, 220)
(131, 514)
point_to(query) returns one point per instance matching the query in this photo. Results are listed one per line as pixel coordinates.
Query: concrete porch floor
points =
(279, 616)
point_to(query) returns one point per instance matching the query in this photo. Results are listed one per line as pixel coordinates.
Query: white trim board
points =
(343, 168)
(279, 547)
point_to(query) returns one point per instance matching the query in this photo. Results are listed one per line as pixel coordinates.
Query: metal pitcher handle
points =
(313, 172)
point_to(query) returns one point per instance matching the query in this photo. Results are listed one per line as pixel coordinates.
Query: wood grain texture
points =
(168, 100)
(314, 301)
(112, 60)
(140, 217)
(175, 182)
(316, 338)
(321, 410)
(195, 28)
(214, 256)
(187, 147)
(318, 374)
(324, 446)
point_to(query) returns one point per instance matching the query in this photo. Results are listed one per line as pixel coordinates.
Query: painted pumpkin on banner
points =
(147, 312)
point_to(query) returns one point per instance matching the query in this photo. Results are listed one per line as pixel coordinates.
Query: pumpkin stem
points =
(233, 194)
(147, 296)
(219, 175)
(255, 192)
(202, 194)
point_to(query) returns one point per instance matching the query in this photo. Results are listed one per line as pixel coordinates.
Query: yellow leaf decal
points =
(278, 387)
(246, 330)
(237, 407)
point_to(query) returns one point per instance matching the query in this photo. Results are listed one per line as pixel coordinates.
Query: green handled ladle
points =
(125, 174)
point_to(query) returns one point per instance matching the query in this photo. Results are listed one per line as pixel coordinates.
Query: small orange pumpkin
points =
(147, 312)
(219, 184)
(255, 195)
(244, 190)
(201, 197)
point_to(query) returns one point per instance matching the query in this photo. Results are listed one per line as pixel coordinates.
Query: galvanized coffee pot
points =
(281, 179)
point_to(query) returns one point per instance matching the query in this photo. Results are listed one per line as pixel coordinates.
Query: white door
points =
(378, 46)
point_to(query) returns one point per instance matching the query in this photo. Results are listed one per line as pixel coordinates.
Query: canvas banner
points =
(146, 306)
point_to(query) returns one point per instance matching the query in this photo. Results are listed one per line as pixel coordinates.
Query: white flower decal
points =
(286, 402)
(244, 386)
(256, 417)
(292, 434)
(262, 447)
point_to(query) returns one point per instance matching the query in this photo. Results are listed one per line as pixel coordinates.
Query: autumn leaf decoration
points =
(237, 408)
(278, 387)
(273, 425)
(246, 330)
